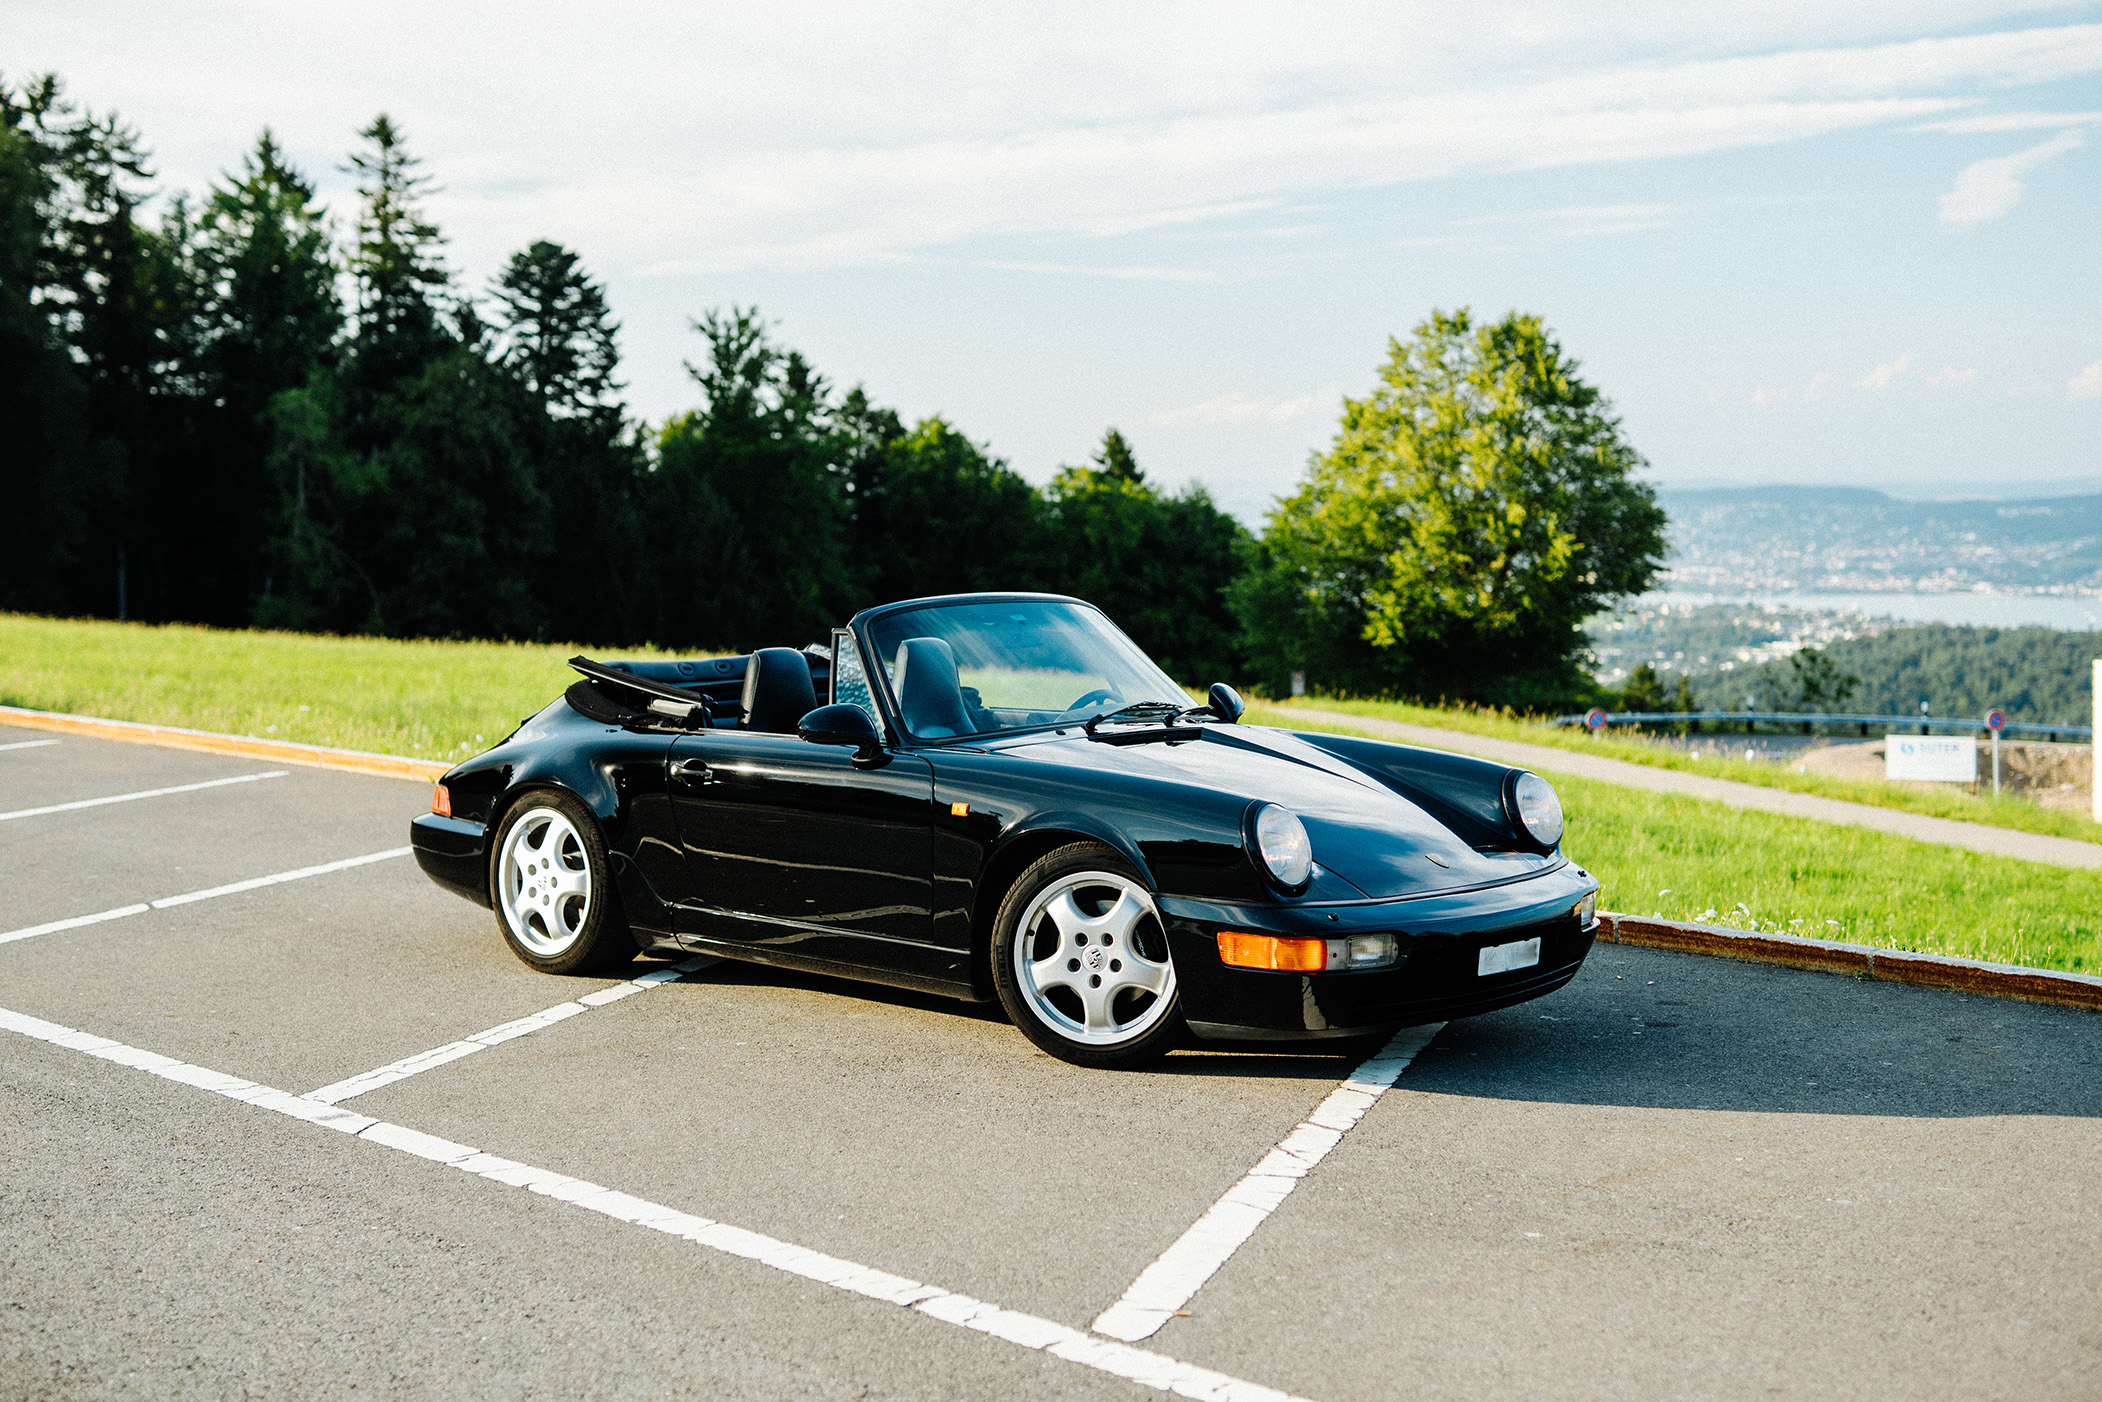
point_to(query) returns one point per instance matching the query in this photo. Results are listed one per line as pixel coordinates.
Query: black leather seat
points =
(928, 693)
(777, 690)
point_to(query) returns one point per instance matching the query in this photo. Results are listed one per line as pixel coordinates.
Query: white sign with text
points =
(1950, 759)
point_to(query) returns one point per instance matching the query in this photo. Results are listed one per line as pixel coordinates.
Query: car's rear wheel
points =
(552, 889)
(1081, 963)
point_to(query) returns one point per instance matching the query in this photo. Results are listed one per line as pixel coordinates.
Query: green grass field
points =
(1694, 859)
(1682, 858)
(429, 700)
(1948, 802)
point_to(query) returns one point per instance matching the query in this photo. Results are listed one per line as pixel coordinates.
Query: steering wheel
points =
(1100, 693)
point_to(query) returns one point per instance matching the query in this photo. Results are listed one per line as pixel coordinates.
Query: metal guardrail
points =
(1892, 725)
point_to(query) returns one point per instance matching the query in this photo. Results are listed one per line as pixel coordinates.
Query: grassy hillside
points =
(1693, 859)
(430, 700)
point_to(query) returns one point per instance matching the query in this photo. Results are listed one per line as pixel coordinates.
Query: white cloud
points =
(1988, 189)
(2088, 383)
(1764, 397)
(1820, 384)
(2012, 121)
(706, 138)
(1236, 407)
(1884, 375)
(1950, 375)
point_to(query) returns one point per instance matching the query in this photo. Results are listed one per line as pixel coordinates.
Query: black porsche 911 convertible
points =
(1000, 795)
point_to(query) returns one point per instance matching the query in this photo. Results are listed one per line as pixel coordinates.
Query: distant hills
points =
(1853, 540)
(2035, 674)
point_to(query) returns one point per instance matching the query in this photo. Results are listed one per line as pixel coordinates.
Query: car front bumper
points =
(1441, 938)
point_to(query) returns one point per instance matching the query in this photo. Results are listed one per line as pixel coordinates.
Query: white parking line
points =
(1029, 1331)
(187, 897)
(28, 744)
(409, 1066)
(142, 793)
(1167, 1285)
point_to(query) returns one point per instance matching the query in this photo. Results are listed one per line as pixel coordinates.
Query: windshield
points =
(969, 669)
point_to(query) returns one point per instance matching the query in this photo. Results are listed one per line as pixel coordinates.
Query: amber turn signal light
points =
(441, 802)
(1248, 951)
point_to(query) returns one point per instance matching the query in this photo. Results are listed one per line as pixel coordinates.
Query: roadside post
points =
(2093, 786)
(1994, 719)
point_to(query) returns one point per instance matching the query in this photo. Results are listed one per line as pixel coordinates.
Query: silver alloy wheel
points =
(1081, 949)
(544, 882)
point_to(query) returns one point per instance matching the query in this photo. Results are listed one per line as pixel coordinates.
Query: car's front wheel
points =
(1081, 962)
(552, 889)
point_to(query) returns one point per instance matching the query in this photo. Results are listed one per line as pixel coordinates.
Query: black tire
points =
(570, 920)
(1109, 1001)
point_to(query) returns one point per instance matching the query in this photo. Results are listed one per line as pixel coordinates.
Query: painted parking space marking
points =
(1169, 1283)
(142, 793)
(340, 1091)
(28, 744)
(1028, 1331)
(188, 897)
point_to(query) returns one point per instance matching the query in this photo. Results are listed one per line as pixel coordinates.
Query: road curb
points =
(424, 771)
(1858, 961)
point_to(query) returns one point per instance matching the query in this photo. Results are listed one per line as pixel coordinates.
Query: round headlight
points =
(1539, 811)
(1281, 844)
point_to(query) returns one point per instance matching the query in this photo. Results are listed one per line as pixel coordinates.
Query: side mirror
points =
(842, 725)
(1226, 703)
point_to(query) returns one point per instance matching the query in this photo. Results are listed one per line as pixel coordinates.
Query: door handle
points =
(693, 771)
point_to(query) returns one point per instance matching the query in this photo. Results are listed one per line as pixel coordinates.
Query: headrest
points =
(777, 690)
(925, 678)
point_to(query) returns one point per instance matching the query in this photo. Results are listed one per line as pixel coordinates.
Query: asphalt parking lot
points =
(1679, 1177)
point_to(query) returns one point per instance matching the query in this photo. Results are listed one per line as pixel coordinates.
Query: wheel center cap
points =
(1093, 958)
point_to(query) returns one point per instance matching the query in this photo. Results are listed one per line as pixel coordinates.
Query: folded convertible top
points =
(614, 697)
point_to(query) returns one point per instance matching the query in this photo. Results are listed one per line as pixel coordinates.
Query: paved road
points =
(1976, 837)
(1678, 1177)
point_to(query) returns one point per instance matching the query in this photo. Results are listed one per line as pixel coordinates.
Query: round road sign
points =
(1595, 718)
(1995, 719)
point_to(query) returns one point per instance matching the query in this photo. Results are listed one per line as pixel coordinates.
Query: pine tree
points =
(1116, 458)
(92, 290)
(269, 320)
(555, 336)
(399, 265)
(555, 331)
(43, 402)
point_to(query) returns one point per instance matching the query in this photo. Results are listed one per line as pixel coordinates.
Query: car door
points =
(801, 856)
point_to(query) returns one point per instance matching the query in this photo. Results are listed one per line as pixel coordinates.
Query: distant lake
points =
(1984, 610)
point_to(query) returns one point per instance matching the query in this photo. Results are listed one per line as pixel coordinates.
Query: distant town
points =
(1849, 540)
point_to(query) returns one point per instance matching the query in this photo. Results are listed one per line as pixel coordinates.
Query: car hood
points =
(1362, 829)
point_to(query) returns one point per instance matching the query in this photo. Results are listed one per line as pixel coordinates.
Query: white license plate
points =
(1502, 958)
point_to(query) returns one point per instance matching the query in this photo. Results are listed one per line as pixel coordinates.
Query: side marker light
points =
(441, 802)
(959, 810)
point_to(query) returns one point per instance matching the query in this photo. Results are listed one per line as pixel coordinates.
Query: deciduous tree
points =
(1474, 508)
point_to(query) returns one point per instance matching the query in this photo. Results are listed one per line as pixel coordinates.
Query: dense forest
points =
(230, 407)
(2034, 674)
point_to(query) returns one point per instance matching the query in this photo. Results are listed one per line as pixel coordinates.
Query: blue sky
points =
(1794, 242)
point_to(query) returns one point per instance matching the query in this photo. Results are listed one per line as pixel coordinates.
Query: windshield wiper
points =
(1141, 711)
